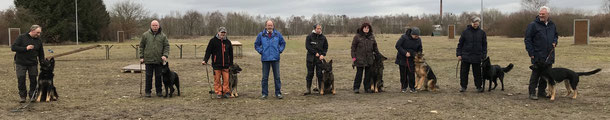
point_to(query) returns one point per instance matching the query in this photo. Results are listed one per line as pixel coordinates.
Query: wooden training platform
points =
(133, 68)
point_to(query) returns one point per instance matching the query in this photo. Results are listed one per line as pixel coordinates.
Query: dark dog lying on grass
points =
(233, 70)
(170, 79)
(493, 73)
(557, 75)
(46, 90)
(328, 78)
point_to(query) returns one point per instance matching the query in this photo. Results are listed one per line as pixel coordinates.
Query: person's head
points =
(35, 31)
(154, 26)
(269, 26)
(366, 28)
(415, 32)
(543, 13)
(475, 22)
(318, 28)
(222, 32)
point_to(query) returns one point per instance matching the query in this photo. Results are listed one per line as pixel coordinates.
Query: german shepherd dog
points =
(170, 79)
(328, 78)
(46, 90)
(376, 79)
(493, 73)
(233, 70)
(426, 79)
(557, 75)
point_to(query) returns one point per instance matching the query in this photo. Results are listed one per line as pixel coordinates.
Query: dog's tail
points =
(589, 73)
(508, 68)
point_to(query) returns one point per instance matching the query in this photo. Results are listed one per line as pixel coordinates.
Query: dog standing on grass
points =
(493, 73)
(170, 79)
(557, 75)
(426, 79)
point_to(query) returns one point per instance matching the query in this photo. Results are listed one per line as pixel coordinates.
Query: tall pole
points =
(441, 22)
(76, 11)
(481, 14)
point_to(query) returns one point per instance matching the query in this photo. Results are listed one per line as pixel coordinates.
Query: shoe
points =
(218, 96)
(227, 95)
(264, 97)
(480, 90)
(147, 95)
(22, 100)
(412, 91)
(533, 97)
(403, 90)
(368, 91)
(463, 90)
(543, 95)
(159, 95)
(307, 93)
(356, 91)
(279, 96)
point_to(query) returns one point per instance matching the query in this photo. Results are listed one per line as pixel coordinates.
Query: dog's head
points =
(327, 66)
(165, 68)
(486, 62)
(541, 66)
(47, 65)
(235, 68)
(419, 57)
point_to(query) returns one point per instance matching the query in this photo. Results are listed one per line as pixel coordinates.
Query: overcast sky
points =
(353, 8)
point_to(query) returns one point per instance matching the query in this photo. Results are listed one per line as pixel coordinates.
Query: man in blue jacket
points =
(540, 40)
(270, 44)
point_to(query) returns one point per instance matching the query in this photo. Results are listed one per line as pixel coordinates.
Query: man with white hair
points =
(28, 53)
(540, 42)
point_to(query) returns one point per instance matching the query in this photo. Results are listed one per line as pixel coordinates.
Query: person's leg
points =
(358, 78)
(217, 88)
(149, 77)
(464, 69)
(476, 72)
(411, 79)
(534, 78)
(542, 86)
(21, 72)
(403, 77)
(32, 73)
(276, 77)
(225, 83)
(319, 74)
(265, 78)
(309, 77)
(367, 79)
(158, 80)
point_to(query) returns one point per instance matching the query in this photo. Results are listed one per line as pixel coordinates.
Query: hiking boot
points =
(480, 90)
(412, 91)
(264, 97)
(279, 96)
(356, 91)
(227, 95)
(403, 90)
(159, 95)
(463, 90)
(22, 100)
(147, 95)
(533, 97)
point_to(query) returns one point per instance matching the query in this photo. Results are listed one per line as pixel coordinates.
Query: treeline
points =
(97, 24)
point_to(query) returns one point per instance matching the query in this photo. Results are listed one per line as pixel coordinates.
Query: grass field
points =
(91, 87)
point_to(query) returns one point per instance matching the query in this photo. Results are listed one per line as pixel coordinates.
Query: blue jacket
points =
(270, 48)
(539, 39)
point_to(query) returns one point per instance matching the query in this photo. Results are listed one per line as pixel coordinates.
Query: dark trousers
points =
(476, 72)
(407, 78)
(311, 66)
(156, 70)
(32, 72)
(275, 65)
(358, 78)
(536, 82)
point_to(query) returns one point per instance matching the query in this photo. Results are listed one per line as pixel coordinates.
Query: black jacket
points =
(27, 57)
(364, 48)
(221, 53)
(315, 43)
(472, 45)
(407, 44)
(539, 39)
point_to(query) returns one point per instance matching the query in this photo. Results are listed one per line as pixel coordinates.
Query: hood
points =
(537, 20)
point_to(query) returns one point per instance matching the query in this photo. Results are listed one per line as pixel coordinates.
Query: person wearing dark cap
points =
(364, 48)
(408, 46)
(316, 46)
(220, 51)
(471, 50)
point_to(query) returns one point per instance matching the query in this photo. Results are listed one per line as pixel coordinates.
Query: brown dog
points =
(426, 80)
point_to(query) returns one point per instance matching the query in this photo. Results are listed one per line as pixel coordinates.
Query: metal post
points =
(481, 14)
(76, 11)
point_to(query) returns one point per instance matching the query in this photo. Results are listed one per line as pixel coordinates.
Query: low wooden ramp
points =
(133, 68)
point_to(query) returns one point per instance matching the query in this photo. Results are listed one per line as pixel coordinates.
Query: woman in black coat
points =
(471, 49)
(364, 48)
(408, 46)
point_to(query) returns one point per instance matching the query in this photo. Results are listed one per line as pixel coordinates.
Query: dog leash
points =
(550, 53)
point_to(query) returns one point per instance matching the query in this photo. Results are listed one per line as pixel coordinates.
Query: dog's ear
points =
(331, 62)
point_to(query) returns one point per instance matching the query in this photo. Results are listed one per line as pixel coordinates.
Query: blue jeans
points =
(276, 77)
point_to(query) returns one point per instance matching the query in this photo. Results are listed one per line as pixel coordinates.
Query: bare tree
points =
(127, 16)
(533, 5)
(606, 6)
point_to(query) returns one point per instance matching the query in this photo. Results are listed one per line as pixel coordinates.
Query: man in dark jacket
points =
(540, 40)
(154, 49)
(28, 52)
(270, 44)
(471, 49)
(221, 51)
(316, 46)
(408, 46)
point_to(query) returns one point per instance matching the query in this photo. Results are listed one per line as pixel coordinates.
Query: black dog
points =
(46, 90)
(493, 73)
(170, 78)
(328, 78)
(233, 70)
(376, 79)
(557, 75)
